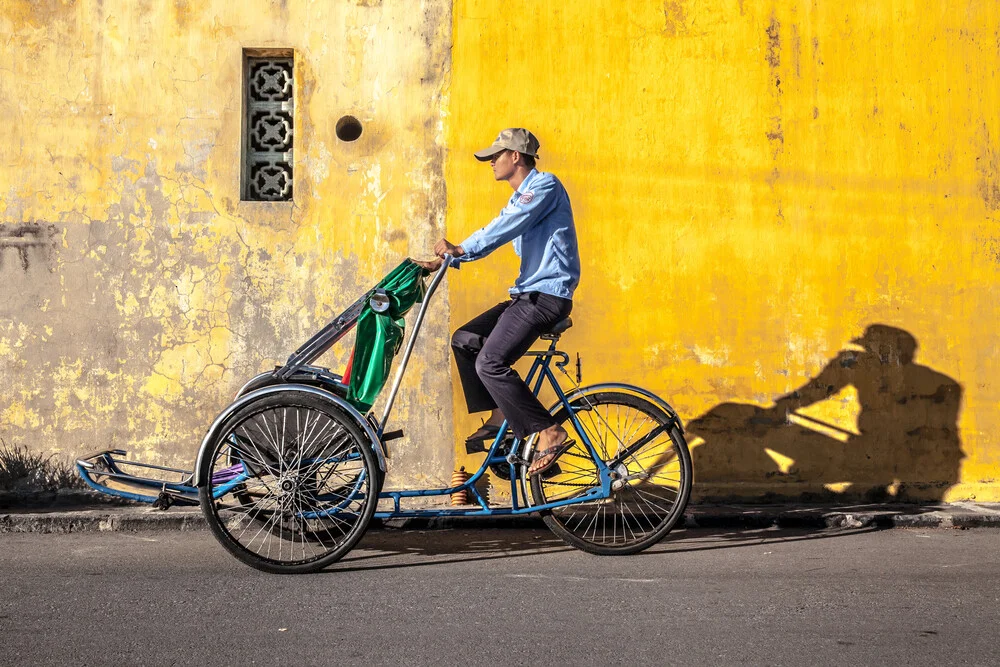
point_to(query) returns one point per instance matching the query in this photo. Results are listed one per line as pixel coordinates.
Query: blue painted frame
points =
(541, 367)
(179, 490)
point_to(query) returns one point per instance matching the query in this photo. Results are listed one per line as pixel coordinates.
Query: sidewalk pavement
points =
(142, 518)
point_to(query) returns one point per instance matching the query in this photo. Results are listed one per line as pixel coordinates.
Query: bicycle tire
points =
(311, 484)
(641, 516)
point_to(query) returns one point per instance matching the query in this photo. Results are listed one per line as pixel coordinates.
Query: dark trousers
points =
(487, 347)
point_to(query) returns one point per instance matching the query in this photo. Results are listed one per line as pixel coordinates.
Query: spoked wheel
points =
(651, 469)
(293, 483)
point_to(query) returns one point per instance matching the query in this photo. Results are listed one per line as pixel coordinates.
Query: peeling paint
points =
(160, 292)
(988, 167)
(673, 18)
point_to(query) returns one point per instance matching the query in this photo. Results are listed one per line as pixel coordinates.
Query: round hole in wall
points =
(348, 128)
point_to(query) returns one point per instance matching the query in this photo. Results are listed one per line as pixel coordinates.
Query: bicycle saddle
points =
(558, 328)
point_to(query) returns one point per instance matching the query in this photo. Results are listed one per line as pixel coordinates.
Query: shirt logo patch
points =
(526, 197)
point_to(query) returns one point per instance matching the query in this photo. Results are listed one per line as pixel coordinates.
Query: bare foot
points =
(496, 418)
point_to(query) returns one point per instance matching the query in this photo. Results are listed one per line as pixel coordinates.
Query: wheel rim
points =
(290, 484)
(648, 485)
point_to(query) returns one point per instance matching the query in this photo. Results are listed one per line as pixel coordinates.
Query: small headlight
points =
(379, 301)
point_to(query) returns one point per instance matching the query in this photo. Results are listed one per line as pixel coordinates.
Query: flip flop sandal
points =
(554, 452)
(476, 442)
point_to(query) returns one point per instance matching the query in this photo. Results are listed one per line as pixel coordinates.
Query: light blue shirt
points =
(539, 220)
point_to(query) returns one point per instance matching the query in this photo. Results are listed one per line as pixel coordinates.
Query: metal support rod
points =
(409, 344)
(150, 465)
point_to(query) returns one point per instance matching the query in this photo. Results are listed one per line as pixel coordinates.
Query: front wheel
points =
(292, 483)
(651, 475)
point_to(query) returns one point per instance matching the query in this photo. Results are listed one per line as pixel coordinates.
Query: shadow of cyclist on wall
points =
(906, 448)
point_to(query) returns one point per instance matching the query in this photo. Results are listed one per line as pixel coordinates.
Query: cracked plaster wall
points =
(754, 183)
(154, 292)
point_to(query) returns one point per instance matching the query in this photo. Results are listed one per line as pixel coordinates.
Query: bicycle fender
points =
(620, 386)
(351, 411)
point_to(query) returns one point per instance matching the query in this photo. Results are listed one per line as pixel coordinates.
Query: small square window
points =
(268, 125)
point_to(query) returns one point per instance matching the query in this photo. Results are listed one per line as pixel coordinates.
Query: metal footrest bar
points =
(99, 468)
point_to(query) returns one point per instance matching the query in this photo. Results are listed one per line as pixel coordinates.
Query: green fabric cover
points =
(380, 335)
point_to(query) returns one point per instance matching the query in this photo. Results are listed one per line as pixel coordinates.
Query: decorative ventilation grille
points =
(269, 129)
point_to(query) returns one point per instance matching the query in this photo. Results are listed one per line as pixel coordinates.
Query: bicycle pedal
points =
(484, 445)
(548, 474)
(552, 472)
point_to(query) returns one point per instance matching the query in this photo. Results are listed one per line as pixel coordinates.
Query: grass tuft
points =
(23, 470)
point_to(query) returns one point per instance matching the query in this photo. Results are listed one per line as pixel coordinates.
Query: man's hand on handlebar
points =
(441, 248)
(444, 247)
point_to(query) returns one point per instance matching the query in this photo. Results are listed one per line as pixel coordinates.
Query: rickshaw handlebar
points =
(446, 263)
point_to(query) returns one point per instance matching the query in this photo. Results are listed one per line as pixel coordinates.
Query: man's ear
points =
(516, 158)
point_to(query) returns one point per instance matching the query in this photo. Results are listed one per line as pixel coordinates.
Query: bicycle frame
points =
(520, 504)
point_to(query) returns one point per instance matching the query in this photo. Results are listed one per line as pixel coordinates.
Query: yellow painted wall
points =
(755, 183)
(156, 292)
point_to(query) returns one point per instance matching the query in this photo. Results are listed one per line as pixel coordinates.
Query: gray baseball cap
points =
(512, 139)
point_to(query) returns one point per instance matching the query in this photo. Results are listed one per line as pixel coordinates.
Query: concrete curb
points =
(100, 520)
(716, 517)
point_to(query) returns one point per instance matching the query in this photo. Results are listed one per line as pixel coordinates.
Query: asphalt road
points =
(450, 597)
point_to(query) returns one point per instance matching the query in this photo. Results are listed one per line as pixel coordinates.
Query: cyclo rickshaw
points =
(290, 474)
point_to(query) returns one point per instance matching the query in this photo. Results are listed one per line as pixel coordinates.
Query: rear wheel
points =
(293, 483)
(651, 466)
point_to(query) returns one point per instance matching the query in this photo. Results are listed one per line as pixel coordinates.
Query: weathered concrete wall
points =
(139, 292)
(755, 183)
